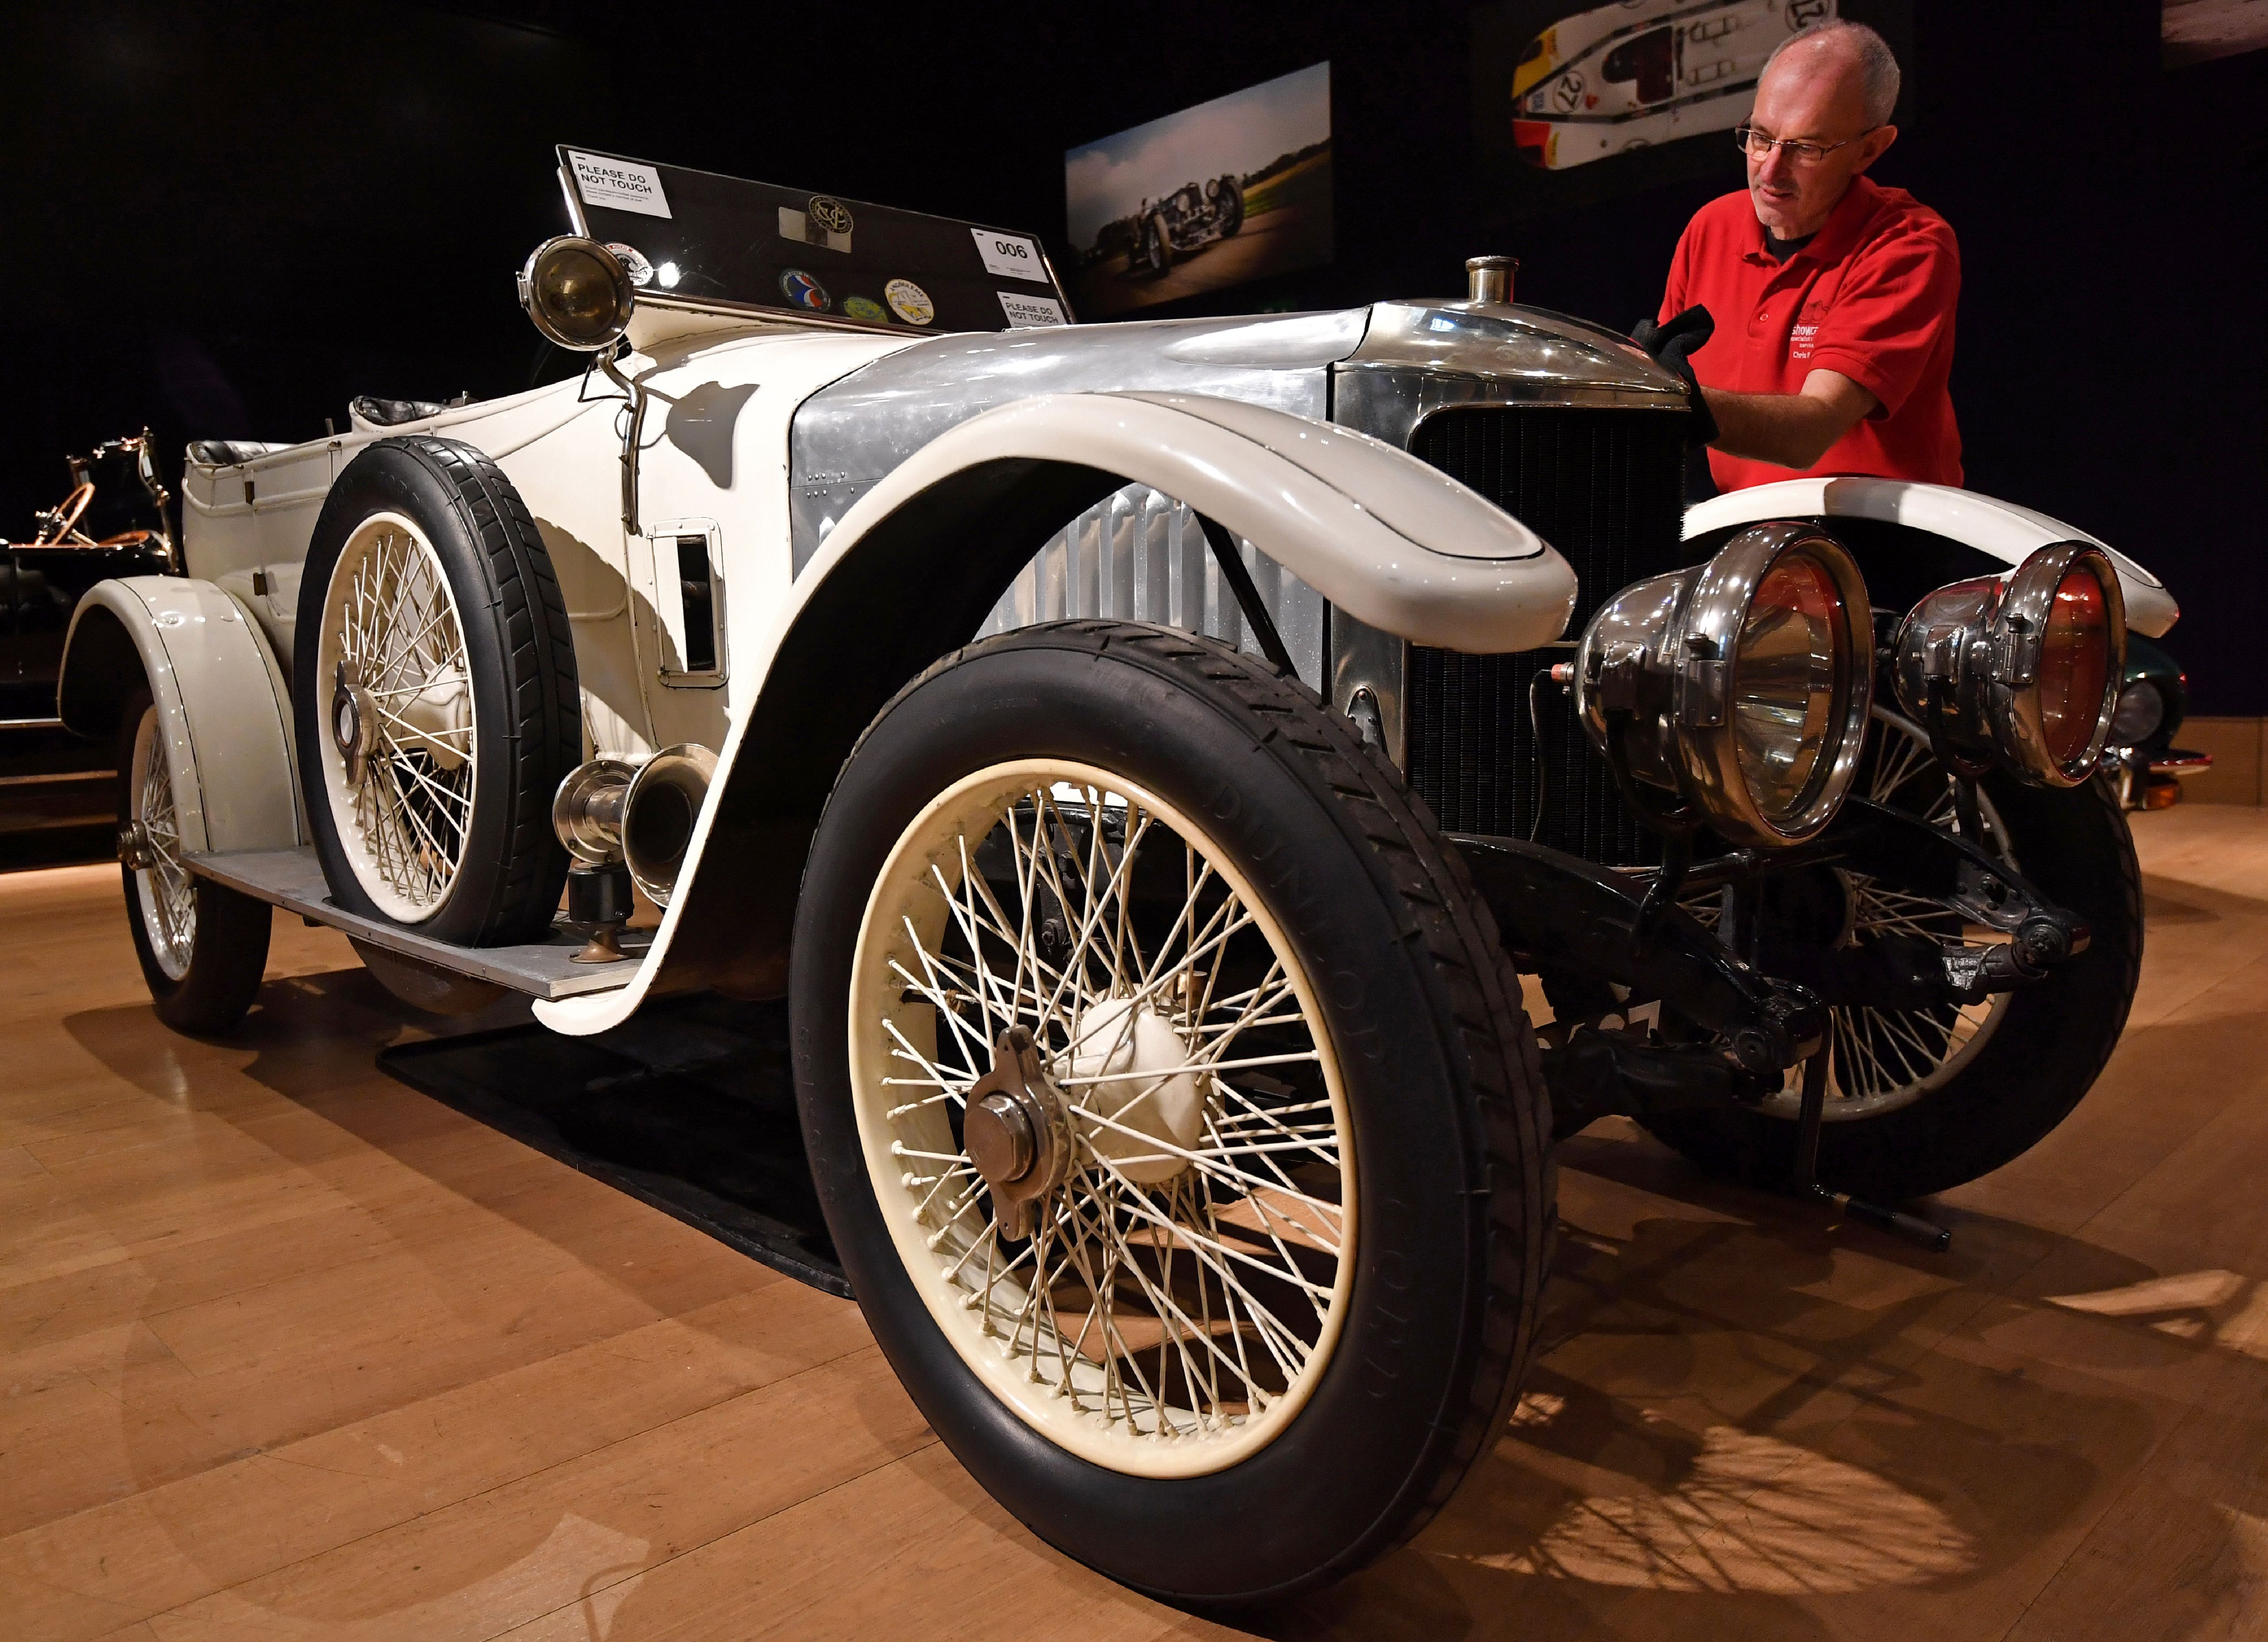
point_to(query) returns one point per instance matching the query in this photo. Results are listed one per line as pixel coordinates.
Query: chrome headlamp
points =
(1739, 687)
(579, 293)
(2024, 672)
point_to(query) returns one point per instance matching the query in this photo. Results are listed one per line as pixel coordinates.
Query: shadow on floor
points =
(688, 1106)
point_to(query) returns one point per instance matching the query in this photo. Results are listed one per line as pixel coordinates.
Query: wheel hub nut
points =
(1016, 1133)
(354, 722)
(135, 848)
(999, 1139)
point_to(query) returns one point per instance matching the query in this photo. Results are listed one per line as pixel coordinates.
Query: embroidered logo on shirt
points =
(1803, 335)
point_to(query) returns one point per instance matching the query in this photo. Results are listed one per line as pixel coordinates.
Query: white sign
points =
(620, 185)
(1023, 311)
(1011, 256)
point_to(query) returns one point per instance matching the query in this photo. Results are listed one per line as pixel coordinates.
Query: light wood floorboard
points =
(287, 1350)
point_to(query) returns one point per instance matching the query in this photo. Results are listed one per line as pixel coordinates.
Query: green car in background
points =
(2140, 755)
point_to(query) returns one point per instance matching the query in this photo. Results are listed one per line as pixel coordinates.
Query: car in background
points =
(2141, 759)
(1630, 76)
(111, 522)
(1185, 220)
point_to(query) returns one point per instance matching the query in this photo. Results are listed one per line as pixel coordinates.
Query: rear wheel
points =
(1171, 1106)
(202, 945)
(1923, 1100)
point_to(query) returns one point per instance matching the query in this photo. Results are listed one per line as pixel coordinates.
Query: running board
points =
(293, 880)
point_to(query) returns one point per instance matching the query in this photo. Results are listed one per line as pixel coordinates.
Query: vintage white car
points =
(1149, 757)
(1643, 72)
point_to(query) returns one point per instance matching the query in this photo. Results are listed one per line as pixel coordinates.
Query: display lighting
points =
(1736, 692)
(2021, 673)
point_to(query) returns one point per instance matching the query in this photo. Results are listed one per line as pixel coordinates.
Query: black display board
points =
(702, 238)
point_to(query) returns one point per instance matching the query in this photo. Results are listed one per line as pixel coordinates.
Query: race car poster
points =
(1226, 192)
(2198, 31)
(1574, 103)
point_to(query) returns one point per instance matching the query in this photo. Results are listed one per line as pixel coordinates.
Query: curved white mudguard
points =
(2001, 529)
(221, 702)
(1394, 543)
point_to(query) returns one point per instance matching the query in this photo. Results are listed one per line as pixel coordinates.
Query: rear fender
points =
(2001, 530)
(221, 700)
(920, 560)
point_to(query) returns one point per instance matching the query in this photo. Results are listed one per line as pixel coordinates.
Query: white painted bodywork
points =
(1358, 536)
(1391, 540)
(221, 707)
(2002, 530)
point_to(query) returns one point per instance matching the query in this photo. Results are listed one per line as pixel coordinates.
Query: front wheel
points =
(1921, 1099)
(1172, 1107)
(203, 946)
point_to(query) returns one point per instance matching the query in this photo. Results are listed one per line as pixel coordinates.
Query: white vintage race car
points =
(1643, 72)
(1149, 757)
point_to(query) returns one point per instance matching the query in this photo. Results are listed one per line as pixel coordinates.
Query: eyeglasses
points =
(1757, 145)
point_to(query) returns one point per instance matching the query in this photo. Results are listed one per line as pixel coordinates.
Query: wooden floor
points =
(289, 1350)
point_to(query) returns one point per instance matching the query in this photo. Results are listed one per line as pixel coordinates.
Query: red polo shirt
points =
(1872, 296)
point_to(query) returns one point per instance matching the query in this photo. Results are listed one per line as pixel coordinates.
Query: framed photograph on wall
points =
(1231, 190)
(1574, 103)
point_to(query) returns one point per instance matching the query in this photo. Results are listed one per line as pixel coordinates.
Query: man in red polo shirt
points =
(1832, 298)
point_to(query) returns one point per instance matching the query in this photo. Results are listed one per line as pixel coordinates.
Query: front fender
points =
(917, 564)
(221, 702)
(2001, 530)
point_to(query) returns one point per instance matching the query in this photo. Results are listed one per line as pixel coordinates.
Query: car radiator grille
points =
(1605, 488)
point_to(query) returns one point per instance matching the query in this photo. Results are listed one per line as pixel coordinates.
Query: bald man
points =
(1832, 298)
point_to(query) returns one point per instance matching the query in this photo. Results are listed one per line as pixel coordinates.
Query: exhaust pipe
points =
(610, 811)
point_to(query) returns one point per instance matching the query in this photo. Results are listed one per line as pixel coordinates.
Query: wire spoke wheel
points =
(1160, 1288)
(1887, 1059)
(164, 894)
(399, 749)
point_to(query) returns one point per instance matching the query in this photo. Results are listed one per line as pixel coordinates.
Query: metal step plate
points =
(293, 880)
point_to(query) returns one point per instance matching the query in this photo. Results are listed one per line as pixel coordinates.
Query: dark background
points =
(226, 223)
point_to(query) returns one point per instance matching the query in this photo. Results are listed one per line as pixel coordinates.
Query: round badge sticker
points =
(865, 308)
(831, 215)
(803, 291)
(910, 302)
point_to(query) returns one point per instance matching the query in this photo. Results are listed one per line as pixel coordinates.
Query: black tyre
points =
(1232, 206)
(1210, 1396)
(203, 946)
(434, 685)
(1157, 247)
(1922, 1101)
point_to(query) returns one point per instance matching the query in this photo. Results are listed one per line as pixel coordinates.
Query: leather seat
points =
(225, 453)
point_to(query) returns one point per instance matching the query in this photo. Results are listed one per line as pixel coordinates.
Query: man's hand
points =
(1673, 345)
(1791, 429)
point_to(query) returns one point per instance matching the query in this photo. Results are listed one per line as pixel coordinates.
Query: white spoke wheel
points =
(203, 948)
(1165, 1307)
(400, 754)
(1172, 1107)
(435, 690)
(1920, 1100)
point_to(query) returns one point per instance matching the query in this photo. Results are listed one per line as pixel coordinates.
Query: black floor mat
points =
(689, 1106)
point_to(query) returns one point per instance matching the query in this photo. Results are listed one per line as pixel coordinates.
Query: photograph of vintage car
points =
(1253, 168)
(1154, 960)
(1620, 78)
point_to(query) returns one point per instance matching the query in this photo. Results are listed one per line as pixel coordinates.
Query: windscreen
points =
(705, 238)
